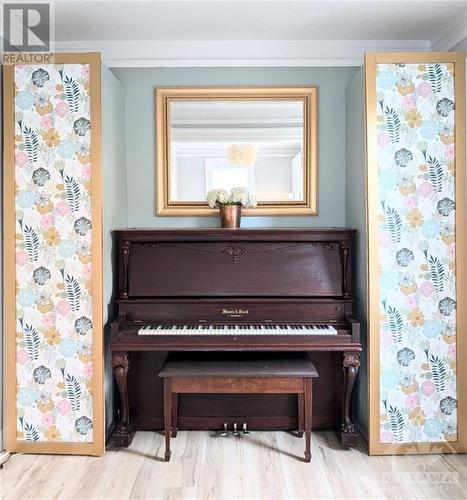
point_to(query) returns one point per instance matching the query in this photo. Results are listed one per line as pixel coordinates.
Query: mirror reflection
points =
(257, 144)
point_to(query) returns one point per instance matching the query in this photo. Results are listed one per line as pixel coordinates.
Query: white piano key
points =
(269, 329)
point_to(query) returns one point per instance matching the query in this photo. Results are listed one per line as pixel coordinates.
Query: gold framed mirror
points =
(261, 138)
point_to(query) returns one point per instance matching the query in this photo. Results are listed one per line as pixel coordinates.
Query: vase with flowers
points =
(230, 204)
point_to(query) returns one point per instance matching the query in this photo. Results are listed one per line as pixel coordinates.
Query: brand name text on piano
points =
(235, 313)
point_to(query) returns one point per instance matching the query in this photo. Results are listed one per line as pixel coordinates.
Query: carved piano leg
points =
(120, 364)
(350, 365)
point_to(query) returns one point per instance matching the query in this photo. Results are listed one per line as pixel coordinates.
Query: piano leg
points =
(350, 365)
(121, 364)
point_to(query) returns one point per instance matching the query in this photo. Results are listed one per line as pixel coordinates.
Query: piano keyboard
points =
(238, 330)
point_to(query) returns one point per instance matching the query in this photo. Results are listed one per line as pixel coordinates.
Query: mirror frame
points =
(307, 94)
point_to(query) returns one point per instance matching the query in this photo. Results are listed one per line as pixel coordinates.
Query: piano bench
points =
(238, 373)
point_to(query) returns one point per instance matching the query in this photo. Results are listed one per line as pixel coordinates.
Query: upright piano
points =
(234, 290)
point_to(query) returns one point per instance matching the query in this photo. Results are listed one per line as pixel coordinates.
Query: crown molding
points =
(452, 34)
(148, 54)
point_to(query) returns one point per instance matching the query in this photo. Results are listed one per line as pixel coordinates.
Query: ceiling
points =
(258, 30)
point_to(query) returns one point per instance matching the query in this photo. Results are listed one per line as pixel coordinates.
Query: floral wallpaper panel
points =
(53, 253)
(417, 205)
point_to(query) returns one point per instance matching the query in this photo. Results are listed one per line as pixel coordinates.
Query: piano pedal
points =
(235, 430)
(224, 432)
(245, 430)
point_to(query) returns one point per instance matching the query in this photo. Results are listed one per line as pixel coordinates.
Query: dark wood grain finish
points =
(167, 416)
(344, 257)
(287, 262)
(288, 269)
(120, 366)
(125, 255)
(318, 235)
(245, 276)
(210, 411)
(226, 311)
(350, 366)
(308, 398)
(239, 374)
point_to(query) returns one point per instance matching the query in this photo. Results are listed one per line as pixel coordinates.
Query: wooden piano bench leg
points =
(167, 415)
(174, 414)
(300, 416)
(308, 396)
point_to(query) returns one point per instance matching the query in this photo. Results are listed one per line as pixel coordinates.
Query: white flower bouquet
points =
(237, 196)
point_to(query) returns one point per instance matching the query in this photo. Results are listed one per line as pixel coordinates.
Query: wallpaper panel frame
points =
(389, 396)
(16, 442)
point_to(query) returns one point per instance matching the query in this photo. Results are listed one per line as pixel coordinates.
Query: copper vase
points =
(230, 216)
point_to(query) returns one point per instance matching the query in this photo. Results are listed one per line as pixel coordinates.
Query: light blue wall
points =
(140, 129)
(355, 215)
(114, 206)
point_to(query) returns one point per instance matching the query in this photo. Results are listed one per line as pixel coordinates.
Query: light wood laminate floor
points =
(262, 466)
